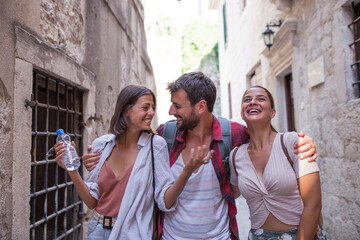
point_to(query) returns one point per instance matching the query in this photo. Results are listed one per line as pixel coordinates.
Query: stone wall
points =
(209, 66)
(243, 49)
(5, 163)
(331, 111)
(11, 13)
(328, 111)
(99, 46)
(115, 61)
(62, 24)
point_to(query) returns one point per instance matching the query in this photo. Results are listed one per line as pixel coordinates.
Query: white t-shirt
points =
(202, 212)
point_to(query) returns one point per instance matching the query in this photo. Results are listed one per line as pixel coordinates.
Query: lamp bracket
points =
(274, 23)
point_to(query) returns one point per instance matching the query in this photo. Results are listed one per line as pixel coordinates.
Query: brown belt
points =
(107, 222)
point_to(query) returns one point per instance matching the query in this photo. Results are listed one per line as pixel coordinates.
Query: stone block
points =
(22, 143)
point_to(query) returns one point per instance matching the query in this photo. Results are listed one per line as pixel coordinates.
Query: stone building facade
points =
(209, 66)
(61, 62)
(311, 72)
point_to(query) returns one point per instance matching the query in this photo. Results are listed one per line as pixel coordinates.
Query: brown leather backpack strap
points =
(233, 159)
(285, 150)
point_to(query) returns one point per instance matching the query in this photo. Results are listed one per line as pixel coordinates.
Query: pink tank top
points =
(111, 191)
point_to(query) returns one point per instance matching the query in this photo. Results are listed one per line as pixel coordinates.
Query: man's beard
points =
(188, 123)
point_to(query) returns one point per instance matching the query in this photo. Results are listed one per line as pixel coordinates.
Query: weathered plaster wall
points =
(115, 61)
(99, 46)
(328, 112)
(62, 24)
(105, 36)
(5, 161)
(11, 13)
(243, 48)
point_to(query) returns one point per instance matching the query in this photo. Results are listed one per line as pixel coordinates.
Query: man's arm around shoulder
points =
(239, 134)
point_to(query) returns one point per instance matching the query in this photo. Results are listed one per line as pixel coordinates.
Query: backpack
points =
(170, 130)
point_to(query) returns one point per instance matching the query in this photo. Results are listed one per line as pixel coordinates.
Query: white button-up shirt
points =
(134, 220)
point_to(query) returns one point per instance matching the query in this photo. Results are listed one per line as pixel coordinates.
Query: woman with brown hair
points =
(282, 192)
(120, 187)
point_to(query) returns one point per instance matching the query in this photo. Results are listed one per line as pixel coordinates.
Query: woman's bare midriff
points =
(273, 224)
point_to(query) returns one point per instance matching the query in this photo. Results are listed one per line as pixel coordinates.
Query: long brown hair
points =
(126, 99)
(272, 102)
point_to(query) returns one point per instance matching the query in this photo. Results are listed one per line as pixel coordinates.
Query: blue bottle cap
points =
(60, 132)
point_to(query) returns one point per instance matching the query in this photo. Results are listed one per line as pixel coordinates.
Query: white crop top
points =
(278, 191)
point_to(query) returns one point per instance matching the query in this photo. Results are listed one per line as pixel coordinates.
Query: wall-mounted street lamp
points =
(268, 35)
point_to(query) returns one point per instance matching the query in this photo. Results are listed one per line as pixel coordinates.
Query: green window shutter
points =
(225, 24)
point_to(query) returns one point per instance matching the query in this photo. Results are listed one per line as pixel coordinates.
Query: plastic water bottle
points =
(70, 158)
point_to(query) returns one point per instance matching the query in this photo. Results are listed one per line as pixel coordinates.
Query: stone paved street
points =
(242, 218)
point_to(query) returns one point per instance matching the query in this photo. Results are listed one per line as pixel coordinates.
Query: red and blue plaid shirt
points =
(239, 135)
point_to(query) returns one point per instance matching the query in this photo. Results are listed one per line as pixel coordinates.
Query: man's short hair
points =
(197, 87)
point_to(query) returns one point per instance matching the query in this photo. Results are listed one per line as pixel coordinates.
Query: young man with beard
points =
(206, 207)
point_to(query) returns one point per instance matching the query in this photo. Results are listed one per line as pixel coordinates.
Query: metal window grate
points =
(55, 207)
(355, 27)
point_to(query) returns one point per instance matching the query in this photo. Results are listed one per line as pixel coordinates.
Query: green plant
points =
(165, 27)
(213, 54)
(198, 40)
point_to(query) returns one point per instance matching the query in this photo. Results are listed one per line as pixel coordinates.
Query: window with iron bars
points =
(55, 207)
(355, 45)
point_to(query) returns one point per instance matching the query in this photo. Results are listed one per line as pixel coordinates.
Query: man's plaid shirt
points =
(239, 135)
